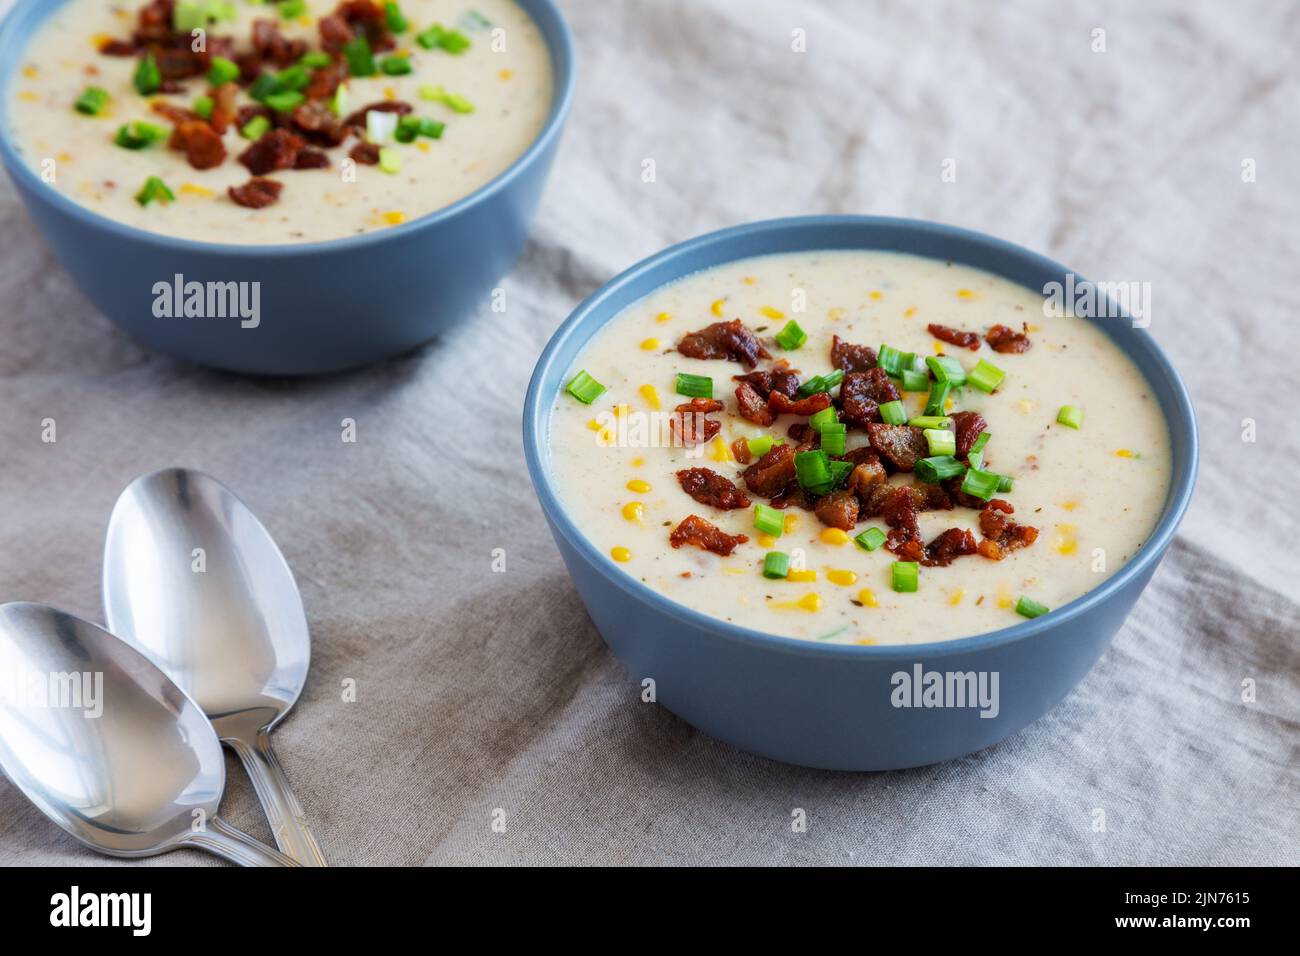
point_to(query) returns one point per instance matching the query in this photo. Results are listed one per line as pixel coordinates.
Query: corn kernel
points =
(620, 554)
(720, 451)
(1067, 541)
(1026, 405)
(1004, 597)
(955, 598)
(30, 72)
(505, 74)
(967, 294)
(909, 312)
(99, 39)
(594, 425)
(638, 462)
(866, 641)
(193, 189)
(1123, 453)
(390, 93)
(716, 307)
(836, 314)
(938, 347)
(834, 536)
(395, 217)
(791, 522)
(801, 577)
(841, 577)
(867, 598)
(639, 486)
(621, 410)
(749, 280)
(663, 317)
(649, 345)
(27, 96)
(766, 541)
(634, 511)
(424, 147)
(772, 313)
(812, 601)
(651, 396)
(1069, 505)
(876, 295)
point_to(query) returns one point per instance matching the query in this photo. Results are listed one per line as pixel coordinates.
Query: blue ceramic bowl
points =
(325, 306)
(830, 705)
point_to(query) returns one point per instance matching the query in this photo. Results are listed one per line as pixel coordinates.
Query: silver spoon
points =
(194, 581)
(107, 746)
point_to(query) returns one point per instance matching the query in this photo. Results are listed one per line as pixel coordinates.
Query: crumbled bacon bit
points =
(867, 471)
(177, 62)
(779, 404)
(172, 112)
(769, 476)
(691, 420)
(942, 551)
(902, 445)
(944, 333)
(1001, 534)
(358, 118)
(899, 512)
(752, 405)
(154, 22)
(200, 143)
(929, 497)
(277, 149)
(874, 498)
(740, 451)
(695, 530)
(710, 488)
(369, 19)
(850, 357)
(839, 509)
(118, 48)
(224, 108)
(316, 123)
(311, 159)
(767, 381)
(270, 44)
(967, 426)
(365, 153)
(724, 340)
(335, 33)
(325, 81)
(862, 394)
(1004, 339)
(256, 193)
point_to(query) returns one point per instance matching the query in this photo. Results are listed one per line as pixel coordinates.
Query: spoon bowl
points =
(196, 583)
(106, 745)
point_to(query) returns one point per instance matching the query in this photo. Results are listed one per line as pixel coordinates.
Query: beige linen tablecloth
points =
(480, 690)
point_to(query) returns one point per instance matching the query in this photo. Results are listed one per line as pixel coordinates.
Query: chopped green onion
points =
(776, 565)
(893, 413)
(870, 540)
(821, 383)
(315, 60)
(397, 22)
(92, 101)
(473, 20)
(265, 85)
(941, 442)
(584, 388)
(946, 369)
(931, 421)
(840, 471)
(1070, 416)
(361, 62)
(255, 128)
(694, 386)
(296, 77)
(154, 188)
(221, 10)
(760, 446)
(390, 160)
(834, 438)
(982, 484)
(937, 469)
(440, 94)
(453, 41)
(188, 16)
(791, 337)
(937, 403)
(813, 469)
(985, 376)
(827, 416)
(339, 101)
(980, 441)
(380, 126)
(1030, 608)
(914, 381)
(905, 575)
(1005, 483)
(286, 101)
(894, 361)
(222, 71)
(147, 77)
(409, 127)
(203, 106)
(396, 65)
(769, 520)
(292, 9)
(138, 134)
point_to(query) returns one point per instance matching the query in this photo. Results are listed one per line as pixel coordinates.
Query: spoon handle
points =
(283, 811)
(236, 846)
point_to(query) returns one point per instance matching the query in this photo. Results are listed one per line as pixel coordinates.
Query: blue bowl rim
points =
(563, 69)
(536, 417)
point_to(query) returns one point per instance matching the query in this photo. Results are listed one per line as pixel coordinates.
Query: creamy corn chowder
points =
(296, 121)
(859, 447)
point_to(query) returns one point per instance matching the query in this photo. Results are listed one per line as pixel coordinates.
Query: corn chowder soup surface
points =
(1094, 493)
(492, 96)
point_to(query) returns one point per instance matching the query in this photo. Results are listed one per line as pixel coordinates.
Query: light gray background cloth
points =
(480, 690)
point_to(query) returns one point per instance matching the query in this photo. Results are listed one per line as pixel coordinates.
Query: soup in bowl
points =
(285, 187)
(786, 463)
